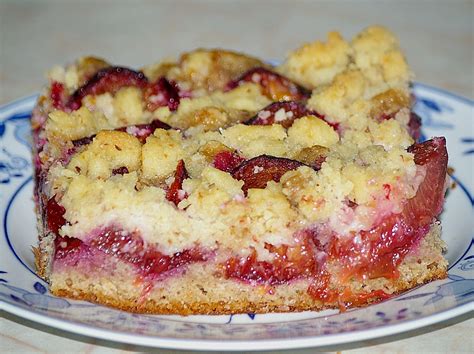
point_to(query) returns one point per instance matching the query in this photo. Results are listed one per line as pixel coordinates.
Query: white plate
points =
(26, 295)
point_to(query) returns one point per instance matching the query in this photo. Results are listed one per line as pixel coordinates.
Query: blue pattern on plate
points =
(468, 141)
(457, 290)
(459, 287)
(21, 122)
(12, 166)
(428, 109)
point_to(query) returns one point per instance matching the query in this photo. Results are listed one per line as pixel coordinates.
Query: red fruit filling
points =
(274, 86)
(67, 247)
(130, 248)
(57, 95)
(258, 171)
(55, 215)
(120, 171)
(175, 191)
(227, 161)
(379, 251)
(289, 263)
(291, 111)
(320, 290)
(140, 131)
(110, 79)
(414, 126)
(83, 141)
(428, 201)
(162, 93)
(304, 260)
(143, 131)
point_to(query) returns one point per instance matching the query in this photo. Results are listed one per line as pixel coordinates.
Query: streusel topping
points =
(356, 128)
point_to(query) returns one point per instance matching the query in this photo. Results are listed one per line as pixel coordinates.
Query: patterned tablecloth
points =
(437, 37)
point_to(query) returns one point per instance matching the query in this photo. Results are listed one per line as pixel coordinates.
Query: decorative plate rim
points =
(230, 344)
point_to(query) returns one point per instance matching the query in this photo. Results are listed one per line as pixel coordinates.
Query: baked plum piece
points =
(260, 170)
(274, 86)
(110, 80)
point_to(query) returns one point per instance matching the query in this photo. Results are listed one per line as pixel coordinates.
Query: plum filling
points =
(140, 131)
(110, 79)
(129, 248)
(143, 131)
(162, 93)
(414, 126)
(284, 113)
(260, 170)
(57, 95)
(274, 86)
(83, 141)
(378, 251)
(120, 171)
(320, 290)
(227, 161)
(288, 263)
(54, 215)
(67, 247)
(303, 260)
(175, 192)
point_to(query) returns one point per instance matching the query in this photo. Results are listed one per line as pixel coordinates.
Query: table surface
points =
(437, 37)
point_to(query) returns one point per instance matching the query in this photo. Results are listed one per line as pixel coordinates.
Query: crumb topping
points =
(354, 147)
(203, 70)
(317, 63)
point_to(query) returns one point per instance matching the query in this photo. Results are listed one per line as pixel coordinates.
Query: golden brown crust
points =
(303, 303)
(192, 308)
(178, 307)
(43, 256)
(39, 262)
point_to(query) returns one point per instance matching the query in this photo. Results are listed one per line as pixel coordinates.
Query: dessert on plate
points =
(218, 183)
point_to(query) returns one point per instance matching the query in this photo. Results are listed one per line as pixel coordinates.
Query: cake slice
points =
(219, 184)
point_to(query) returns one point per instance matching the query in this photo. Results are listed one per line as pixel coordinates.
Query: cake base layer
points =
(200, 289)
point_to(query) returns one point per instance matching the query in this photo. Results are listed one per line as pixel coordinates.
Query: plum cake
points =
(217, 183)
